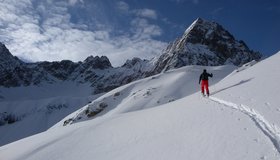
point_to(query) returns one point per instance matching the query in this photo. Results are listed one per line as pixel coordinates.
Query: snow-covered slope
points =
(147, 93)
(239, 121)
(256, 88)
(26, 111)
(45, 89)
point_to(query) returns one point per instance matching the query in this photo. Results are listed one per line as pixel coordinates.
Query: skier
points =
(204, 82)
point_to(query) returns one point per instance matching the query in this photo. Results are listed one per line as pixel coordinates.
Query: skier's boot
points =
(203, 95)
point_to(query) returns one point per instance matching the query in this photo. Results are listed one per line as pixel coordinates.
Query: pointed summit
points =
(198, 19)
(195, 23)
(7, 60)
(4, 52)
(205, 43)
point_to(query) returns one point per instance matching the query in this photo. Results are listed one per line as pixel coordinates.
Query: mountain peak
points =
(130, 63)
(98, 62)
(198, 22)
(205, 43)
(208, 30)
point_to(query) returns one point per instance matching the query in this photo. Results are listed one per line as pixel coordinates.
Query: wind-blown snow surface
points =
(239, 121)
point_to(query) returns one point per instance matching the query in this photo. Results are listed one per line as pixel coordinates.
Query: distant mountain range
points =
(203, 43)
(96, 70)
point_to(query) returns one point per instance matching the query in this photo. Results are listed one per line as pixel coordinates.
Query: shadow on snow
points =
(239, 83)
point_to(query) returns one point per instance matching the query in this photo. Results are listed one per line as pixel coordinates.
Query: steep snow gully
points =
(270, 130)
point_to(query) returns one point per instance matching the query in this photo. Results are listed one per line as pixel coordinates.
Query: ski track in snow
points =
(271, 131)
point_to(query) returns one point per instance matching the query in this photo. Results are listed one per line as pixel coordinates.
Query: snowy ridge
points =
(191, 26)
(272, 131)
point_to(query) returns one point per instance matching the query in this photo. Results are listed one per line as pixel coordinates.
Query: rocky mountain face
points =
(203, 43)
(7, 60)
(97, 71)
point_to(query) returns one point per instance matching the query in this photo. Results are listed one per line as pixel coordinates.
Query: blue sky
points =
(39, 30)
